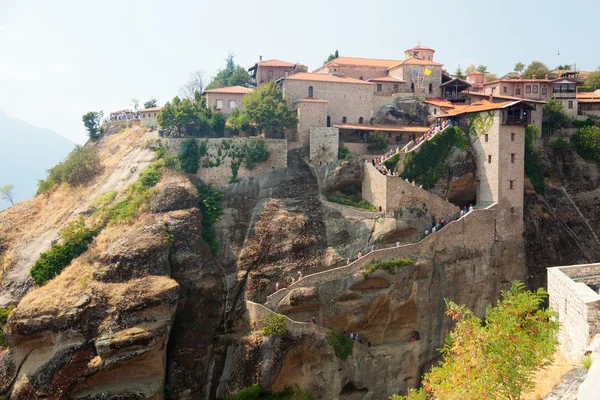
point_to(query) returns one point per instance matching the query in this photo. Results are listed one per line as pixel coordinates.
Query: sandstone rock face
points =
(457, 183)
(402, 112)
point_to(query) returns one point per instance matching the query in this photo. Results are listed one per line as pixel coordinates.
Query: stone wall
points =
(324, 145)
(354, 71)
(212, 98)
(578, 308)
(311, 114)
(220, 175)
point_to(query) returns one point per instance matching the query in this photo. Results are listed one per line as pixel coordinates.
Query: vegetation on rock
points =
(211, 208)
(352, 201)
(537, 69)
(343, 152)
(189, 155)
(533, 167)
(391, 266)
(342, 345)
(477, 362)
(189, 117)
(76, 237)
(274, 325)
(554, 117)
(4, 313)
(391, 162)
(255, 392)
(7, 193)
(428, 164)
(92, 121)
(587, 142)
(82, 164)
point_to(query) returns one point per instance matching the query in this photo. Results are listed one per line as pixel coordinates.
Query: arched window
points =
(360, 120)
(361, 78)
(430, 88)
(412, 87)
(328, 121)
(310, 91)
(344, 120)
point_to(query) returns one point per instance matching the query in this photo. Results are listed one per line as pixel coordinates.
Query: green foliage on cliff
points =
(81, 165)
(587, 142)
(92, 121)
(378, 141)
(391, 266)
(274, 325)
(391, 162)
(533, 167)
(189, 155)
(554, 117)
(189, 117)
(343, 152)
(342, 345)
(255, 392)
(352, 201)
(4, 313)
(428, 164)
(255, 152)
(498, 355)
(211, 208)
(76, 237)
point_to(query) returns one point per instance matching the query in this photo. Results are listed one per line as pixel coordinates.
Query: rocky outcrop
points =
(457, 183)
(404, 111)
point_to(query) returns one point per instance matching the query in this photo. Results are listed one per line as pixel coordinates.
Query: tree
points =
(593, 80)
(587, 142)
(459, 73)
(151, 102)
(92, 121)
(519, 66)
(482, 68)
(136, 104)
(196, 83)
(266, 108)
(189, 155)
(537, 68)
(554, 117)
(6, 193)
(332, 56)
(187, 117)
(470, 68)
(239, 77)
(564, 67)
(231, 75)
(490, 77)
(496, 358)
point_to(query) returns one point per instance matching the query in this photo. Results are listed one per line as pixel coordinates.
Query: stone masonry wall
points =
(578, 309)
(324, 145)
(220, 175)
(311, 114)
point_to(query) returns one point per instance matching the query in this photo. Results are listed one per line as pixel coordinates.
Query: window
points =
(570, 104)
(412, 87)
(231, 103)
(486, 137)
(490, 159)
(493, 90)
(430, 88)
(395, 87)
(528, 89)
(435, 111)
(219, 103)
(344, 120)
(505, 89)
(535, 88)
(360, 120)
(270, 74)
(544, 91)
(310, 91)
(328, 121)
(361, 78)
(518, 91)
(379, 87)
(286, 73)
(511, 185)
(512, 210)
(512, 158)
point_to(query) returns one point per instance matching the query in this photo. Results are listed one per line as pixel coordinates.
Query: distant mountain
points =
(26, 152)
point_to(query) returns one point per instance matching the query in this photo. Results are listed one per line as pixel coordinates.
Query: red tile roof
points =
(275, 63)
(383, 127)
(501, 97)
(387, 79)
(436, 101)
(151, 109)
(311, 100)
(588, 95)
(419, 47)
(475, 73)
(230, 90)
(362, 62)
(416, 61)
(478, 106)
(305, 76)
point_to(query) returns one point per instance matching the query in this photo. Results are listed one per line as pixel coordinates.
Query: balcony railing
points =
(456, 95)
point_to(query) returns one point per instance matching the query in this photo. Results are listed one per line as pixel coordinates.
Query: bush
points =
(533, 167)
(189, 155)
(427, 165)
(151, 175)
(391, 266)
(391, 162)
(274, 325)
(343, 152)
(378, 141)
(587, 142)
(76, 239)
(4, 313)
(248, 393)
(357, 202)
(81, 165)
(581, 124)
(586, 362)
(255, 392)
(342, 345)
(255, 152)
(210, 206)
(560, 144)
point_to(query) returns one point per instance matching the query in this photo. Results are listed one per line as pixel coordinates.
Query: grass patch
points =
(391, 266)
(342, 345)
(586, 362)
(4, 313)
(255, 392)
(274, 325)
(354, 201)
(560, 144)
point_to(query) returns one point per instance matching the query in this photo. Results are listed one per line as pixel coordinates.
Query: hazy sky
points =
(62, 58)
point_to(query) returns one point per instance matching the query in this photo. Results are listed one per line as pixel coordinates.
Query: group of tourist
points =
(433, 131)
(124, 115)
(436, 226)
(285, 282)
(354, 336)
(379, 162)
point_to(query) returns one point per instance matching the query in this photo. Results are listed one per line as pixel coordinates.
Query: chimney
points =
(491, 98)
(260, 57)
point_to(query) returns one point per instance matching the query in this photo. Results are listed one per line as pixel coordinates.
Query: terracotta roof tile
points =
(305, 76)
(437, 101)
(275, 63)
(416, 61)
(478, 106)
(588, 95)
(419, 47)
(502, 97)
(387, 79)
(151, 109)
(363, 62)
(230, 90)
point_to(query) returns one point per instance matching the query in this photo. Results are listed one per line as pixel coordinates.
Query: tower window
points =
(512, 137)
(310, 91)
(360, 120)
(486, 137)
(490, 159)
(528, 89)
(344, 120)
(379, 87)
(511, 185)
(512, 158)
(430, 88)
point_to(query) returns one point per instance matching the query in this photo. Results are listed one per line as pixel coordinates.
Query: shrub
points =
(342, 345)
(211, 208)
(81, 165)
(76, 238)
(255, 392)
(4, 313)
(255, 152)
(560, 144)
(586, 362)
(343, 152)
(189, 155)
(357, 202)
(581, 124)
(248, 393)
(274, 325)
(587, 142)
(391, 266)
(533, 168)
(172, 163)
(391, 162)
(378, 141)
(151, 175)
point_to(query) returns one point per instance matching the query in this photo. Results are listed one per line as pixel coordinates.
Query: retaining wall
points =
(258, 312)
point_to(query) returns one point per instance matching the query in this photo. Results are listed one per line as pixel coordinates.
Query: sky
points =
(60, 59)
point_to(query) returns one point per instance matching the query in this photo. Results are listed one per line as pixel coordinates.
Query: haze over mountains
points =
(26, 153)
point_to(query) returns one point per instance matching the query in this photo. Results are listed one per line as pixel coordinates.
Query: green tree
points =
(378, 141)
(587, 142)
(554, 117)
(459, 73)
(490, 77)
(482, 68)
(239, 77)
(496, 358)
(537, 68)
(519, 67)
(238, 120)
(151, 102)
(266, 108)
(564, 67)
(470, 68)
(184, 117)
(231, 75)
(6, 193)
(332, 56)
(593, 80)
(92, 121)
